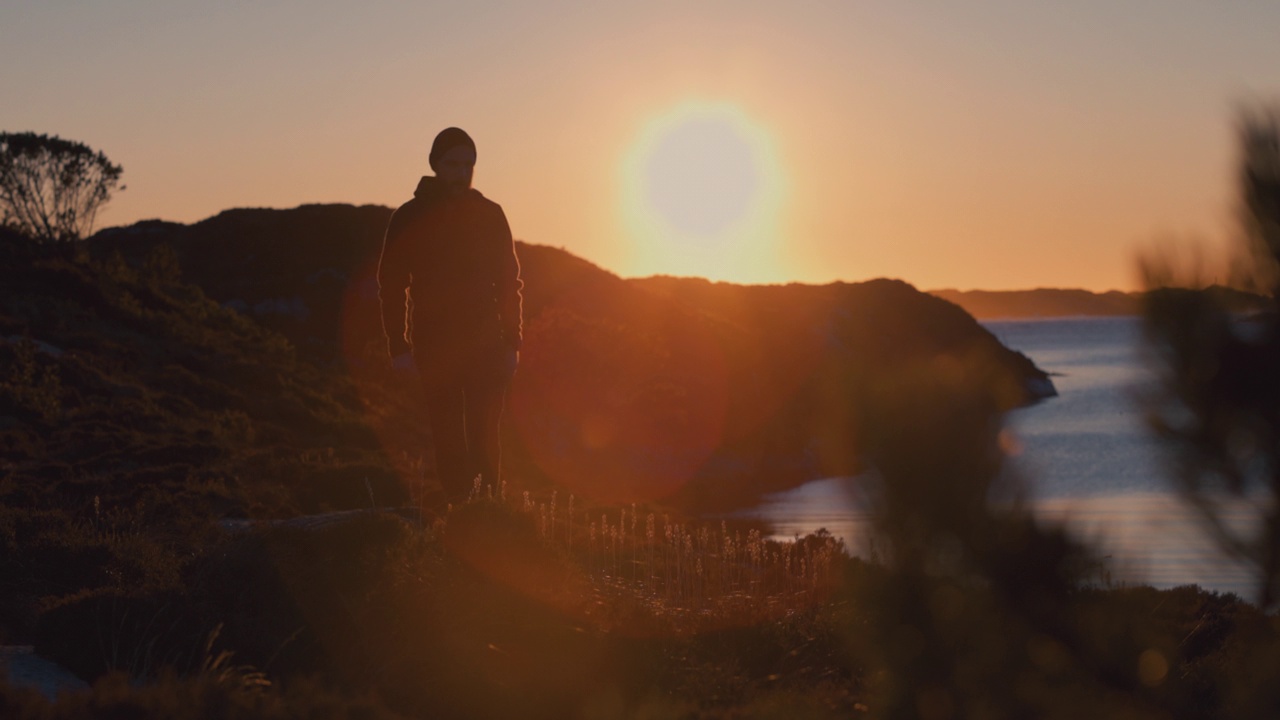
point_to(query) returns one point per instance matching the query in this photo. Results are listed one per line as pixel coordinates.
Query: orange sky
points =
(966, 145)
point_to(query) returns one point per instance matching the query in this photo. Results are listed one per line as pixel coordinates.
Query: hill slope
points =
(658, 388)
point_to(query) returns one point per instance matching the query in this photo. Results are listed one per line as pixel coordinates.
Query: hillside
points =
(166, 378)
(682, 391)
(135, 412)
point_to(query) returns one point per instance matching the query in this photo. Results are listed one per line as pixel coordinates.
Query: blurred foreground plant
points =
(1216, 404)
(976, 613)
(983, 611)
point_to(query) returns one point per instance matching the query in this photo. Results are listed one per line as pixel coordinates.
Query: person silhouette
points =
(449, 284)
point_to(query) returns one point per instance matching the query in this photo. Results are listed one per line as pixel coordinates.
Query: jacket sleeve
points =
(509, 285)
(394, 276)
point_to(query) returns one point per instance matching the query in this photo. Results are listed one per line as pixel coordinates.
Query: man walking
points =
(459, 322)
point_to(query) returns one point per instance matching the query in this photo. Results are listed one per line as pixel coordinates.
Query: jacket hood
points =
(431, 187)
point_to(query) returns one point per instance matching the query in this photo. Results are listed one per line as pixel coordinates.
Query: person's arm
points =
(394, 277)
(509, 285)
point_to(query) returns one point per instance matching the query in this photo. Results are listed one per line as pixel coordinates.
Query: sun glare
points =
(701, 192)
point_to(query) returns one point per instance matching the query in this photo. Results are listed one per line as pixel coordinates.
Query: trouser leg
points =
(485, 399)
(446, 408)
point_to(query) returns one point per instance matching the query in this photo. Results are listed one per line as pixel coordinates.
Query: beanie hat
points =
(448, 139)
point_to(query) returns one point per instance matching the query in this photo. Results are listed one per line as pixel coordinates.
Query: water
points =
(1087, 460)
(1089, 441)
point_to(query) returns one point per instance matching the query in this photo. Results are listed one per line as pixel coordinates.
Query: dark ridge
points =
(678, 389)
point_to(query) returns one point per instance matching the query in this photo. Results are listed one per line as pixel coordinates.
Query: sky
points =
(993, 144)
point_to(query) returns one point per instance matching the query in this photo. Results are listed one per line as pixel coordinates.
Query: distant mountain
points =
(1041, 303)
(1054, 302)
(697, 393)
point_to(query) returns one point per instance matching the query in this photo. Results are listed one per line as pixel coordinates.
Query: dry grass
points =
(686, 573)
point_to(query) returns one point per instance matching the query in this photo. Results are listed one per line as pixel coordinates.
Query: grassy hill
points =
(135, 412)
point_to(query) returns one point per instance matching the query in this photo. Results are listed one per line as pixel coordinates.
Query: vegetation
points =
(488, 614)
(51, 189)
(214, 516)
(1218, 407)
(135, 413)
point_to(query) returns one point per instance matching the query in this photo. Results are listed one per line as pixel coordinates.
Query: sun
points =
(701, 191)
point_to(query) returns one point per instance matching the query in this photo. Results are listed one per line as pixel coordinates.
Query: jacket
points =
(454, 255)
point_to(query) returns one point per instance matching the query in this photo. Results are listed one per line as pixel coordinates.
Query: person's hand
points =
(402, 363)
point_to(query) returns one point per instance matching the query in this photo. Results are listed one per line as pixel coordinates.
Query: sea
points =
(1085, 459)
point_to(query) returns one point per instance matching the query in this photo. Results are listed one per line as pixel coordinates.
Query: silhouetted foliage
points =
(973, 585)
(982, 611)
(1218, 401)
(51, 189)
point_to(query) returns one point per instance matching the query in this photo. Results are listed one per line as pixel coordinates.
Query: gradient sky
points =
(995, 145)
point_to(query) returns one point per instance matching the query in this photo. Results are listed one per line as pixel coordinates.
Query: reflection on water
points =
(1091, 439)
(1155, 538)
(831, 504)
(1147, 538)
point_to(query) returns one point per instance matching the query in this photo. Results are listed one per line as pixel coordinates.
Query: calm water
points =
(1085, 456)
